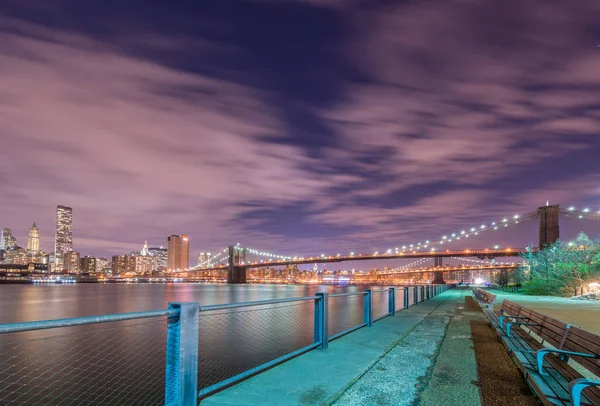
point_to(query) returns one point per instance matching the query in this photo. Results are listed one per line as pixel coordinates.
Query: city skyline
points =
(370, 126)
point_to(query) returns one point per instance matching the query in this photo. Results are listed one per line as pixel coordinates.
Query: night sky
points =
(297, 127)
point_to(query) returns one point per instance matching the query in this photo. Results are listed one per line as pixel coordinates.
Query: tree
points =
(566, 268)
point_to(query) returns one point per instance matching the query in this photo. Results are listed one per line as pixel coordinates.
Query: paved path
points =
(387, 364)
(582, 313)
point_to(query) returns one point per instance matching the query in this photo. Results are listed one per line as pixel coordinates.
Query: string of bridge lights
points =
(445, 239)
(214, 259)
(583, 213)
(428, 244)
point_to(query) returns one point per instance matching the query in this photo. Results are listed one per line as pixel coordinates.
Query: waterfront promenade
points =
(421, 355)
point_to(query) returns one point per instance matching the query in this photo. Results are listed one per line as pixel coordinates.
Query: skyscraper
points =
(33, 242)
(64, 234)
(178, 252)
(7, 241)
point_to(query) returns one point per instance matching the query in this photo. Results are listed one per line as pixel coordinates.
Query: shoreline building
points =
(71, 261)
(88, 264)
(119, 264)
(63, 242)
(178, 252)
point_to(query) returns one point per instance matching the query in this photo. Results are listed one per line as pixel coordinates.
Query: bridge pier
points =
(438, 278)
(235, 274)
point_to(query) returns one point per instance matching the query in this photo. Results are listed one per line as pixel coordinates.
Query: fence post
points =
(322, 319)
(392, 301)
(181, 376)
(406, 297)
(422, 293)
(416, 294)
(368, 308)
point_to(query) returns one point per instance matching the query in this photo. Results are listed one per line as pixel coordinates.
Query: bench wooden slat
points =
(559, 373)
(552, 389)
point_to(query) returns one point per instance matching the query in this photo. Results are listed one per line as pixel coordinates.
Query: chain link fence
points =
(119, 363)
(235, 341)
(411, 295)
(381, 303)
(399, 299)
(345, 313)
(99, 360)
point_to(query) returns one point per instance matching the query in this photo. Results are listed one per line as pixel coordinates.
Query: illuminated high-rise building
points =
(161, 254)
(204, 259)
(119, 264)
(7, 241)
(178, 252)
(142, 264)
(101, 265)
(144, 252)
(33, 241)
(64, 235)
(87, 264)
(71, 262)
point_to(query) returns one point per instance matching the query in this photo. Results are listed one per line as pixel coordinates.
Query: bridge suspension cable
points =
(584, 214)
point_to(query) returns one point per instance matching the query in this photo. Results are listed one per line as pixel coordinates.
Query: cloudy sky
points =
(294, 126)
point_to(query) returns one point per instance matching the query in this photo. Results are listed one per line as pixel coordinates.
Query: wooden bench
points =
(541, 347)
(484, 298)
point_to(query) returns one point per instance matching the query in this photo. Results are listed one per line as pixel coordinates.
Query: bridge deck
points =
(370, 366)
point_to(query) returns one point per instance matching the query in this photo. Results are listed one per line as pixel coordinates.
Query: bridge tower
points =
(548, 225)
(438, 276)
(235, 274)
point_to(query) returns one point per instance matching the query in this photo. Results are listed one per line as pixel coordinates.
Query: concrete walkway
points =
(388, 364)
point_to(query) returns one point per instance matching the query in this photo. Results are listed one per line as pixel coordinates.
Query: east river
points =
(124, 362)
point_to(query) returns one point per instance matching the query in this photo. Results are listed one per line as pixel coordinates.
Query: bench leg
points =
(575, 388)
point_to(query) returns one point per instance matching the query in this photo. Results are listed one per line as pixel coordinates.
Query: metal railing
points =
(120, 359)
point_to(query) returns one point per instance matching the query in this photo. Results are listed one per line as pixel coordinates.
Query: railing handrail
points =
(380, 290)
(347, 294)
(254, 303)
(80, 321)
(182, 335)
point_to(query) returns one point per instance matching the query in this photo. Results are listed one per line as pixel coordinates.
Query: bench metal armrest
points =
(540, 354)
(575, 388)
(501, 319)
(510, 324)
